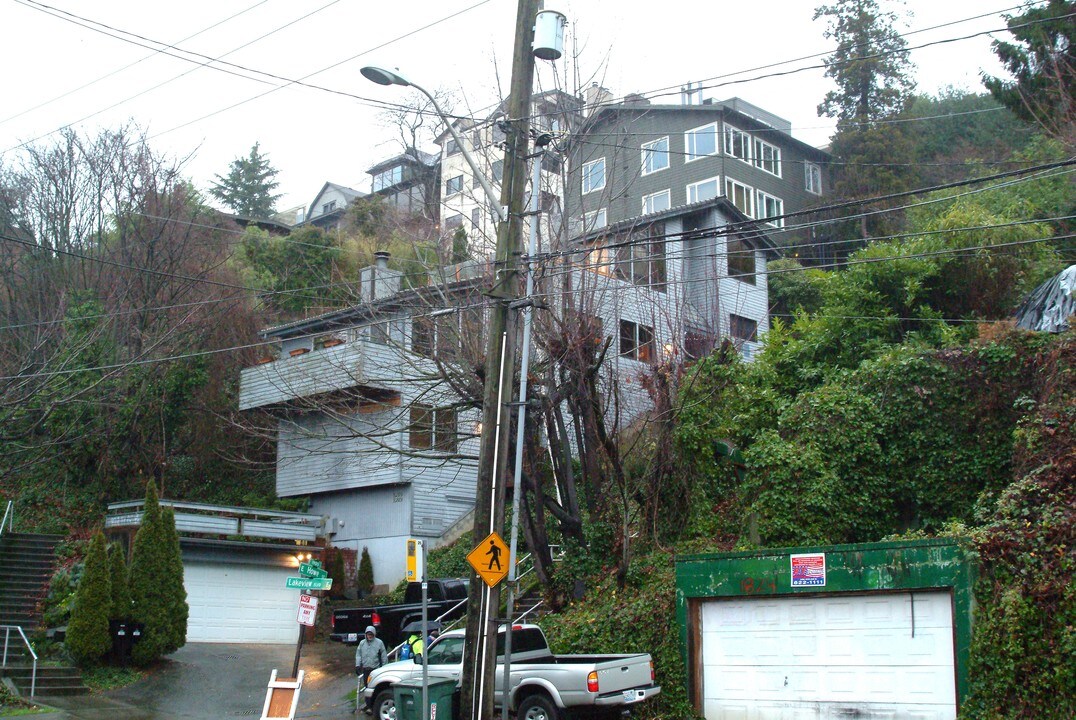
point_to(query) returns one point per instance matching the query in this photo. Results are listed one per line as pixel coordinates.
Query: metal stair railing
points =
(395, 651)
(9, 518)
(7, 640)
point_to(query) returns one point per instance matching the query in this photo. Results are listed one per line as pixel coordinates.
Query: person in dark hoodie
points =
(369, 655)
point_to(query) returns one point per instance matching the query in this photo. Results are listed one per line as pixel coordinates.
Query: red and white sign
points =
(308, 609)
(809, 570)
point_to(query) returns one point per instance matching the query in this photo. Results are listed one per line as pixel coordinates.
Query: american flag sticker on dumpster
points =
(808, 570)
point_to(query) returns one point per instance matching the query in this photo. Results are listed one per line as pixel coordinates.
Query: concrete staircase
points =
(26, 565)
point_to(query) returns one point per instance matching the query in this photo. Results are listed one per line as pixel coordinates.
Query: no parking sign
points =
(308, 609)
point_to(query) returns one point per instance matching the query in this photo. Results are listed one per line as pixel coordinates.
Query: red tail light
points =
(375, 620)
(592, 682)
(653, 676)
(332, 622)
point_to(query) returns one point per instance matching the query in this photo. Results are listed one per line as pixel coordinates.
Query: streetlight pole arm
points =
(486, 187)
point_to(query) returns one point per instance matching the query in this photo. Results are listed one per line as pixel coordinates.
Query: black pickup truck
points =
(442, 595)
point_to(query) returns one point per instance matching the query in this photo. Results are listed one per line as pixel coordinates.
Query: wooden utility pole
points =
(479, 658)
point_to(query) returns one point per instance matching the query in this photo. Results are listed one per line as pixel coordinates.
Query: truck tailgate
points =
(623, 673)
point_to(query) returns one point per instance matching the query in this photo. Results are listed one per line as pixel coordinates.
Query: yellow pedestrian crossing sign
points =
(490, 559)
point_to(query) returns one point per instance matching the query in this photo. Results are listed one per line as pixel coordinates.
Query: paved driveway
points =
(219, 681)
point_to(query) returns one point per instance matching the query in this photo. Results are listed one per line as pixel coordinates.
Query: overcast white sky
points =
(462, 46)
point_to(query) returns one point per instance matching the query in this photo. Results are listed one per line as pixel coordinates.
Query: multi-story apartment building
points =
(678, 208)
(463, 204)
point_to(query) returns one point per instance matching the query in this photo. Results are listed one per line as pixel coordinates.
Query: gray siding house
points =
(367, 426)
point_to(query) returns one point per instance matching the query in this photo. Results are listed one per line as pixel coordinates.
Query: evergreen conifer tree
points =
(120, 609)
(179, 611)
(88, 638)
(364, 579)
(150, 604)
(338, 573)
(248, 187)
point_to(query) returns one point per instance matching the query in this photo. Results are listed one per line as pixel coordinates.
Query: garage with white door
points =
(239, 602)
(876, 630)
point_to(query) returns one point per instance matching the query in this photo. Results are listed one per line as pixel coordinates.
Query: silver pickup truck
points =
(543, 686)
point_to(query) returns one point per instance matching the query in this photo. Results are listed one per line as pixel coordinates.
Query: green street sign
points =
(298, 583)
(315, 562)
(310, 570)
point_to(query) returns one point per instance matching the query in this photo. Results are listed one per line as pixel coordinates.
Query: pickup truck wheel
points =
(537, 707)
(385, 705)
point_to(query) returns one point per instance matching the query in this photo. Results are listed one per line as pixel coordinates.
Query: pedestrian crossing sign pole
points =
(490, 559)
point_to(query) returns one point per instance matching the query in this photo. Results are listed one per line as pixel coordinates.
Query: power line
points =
(130, 65)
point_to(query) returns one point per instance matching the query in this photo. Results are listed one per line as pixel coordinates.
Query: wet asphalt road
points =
(222, 681)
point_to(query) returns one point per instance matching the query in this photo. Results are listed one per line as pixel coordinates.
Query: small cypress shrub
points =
(120, 608)
(364, 578)
(88, 638)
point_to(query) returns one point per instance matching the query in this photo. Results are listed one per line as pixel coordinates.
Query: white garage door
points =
(879, 656)
(231, 602)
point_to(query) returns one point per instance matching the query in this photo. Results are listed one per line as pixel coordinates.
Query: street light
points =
(382, 76)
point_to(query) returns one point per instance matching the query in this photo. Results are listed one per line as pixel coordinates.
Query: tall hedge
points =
(364, 579)
(120, 607)
(153, 573)
(87, 632)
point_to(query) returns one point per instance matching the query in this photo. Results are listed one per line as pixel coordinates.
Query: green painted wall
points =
(876, 567)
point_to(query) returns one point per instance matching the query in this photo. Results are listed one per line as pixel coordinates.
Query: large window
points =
(636, 341)
(768, 157)
(705, 190)
(452, 147)
(388, 178)
(432, 428)
(454, 185)
(657, 202)
(737, 144)
(741, 196)
(741, 260)
(594, 220)
(643, 259)
(812, 180)
(743, 328)
(771, 207)
(655, 155)
(422, 334)
(593, 175)
(700, 142)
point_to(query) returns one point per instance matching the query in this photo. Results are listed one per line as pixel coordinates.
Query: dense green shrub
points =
(88, 638)
(639, 618)
(337, 572)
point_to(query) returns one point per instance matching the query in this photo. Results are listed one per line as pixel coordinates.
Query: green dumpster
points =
(408, 697)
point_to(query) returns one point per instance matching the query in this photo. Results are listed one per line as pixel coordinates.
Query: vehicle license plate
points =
(352, 637)
(630, 696)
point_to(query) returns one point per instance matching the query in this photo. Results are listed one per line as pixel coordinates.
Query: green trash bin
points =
(408, 697)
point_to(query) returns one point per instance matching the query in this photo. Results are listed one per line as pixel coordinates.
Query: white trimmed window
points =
(768, 157)
(636, 341)
(594, 220)
(700, 142)
(705, 190)
(743, 328)
(593, 175)
(657, 202)
(771, 207)
(454, 185)
(737, 144)
(740, 195)
(812, 178)
(655, 155)
(388, 178)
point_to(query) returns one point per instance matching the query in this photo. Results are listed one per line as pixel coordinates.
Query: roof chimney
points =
(381, 259)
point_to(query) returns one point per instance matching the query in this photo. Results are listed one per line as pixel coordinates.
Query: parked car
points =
(542, 685)
(444, 595)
